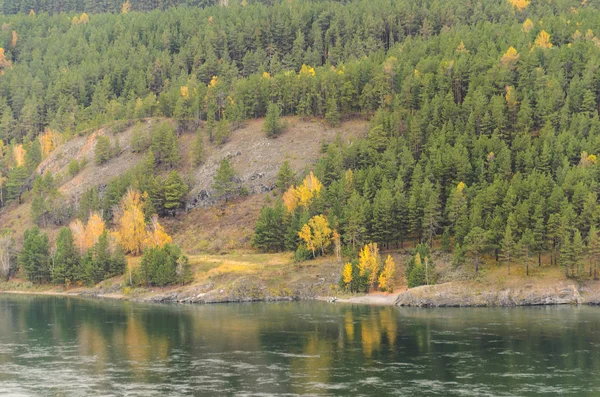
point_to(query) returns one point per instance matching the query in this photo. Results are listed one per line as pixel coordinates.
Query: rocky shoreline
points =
(452, 294)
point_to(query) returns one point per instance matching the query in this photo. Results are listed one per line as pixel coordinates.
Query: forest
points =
(483, 138)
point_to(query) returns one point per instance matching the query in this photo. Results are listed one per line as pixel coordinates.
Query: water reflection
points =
(68, 346)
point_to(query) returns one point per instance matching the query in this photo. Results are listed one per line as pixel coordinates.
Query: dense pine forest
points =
(484, 126)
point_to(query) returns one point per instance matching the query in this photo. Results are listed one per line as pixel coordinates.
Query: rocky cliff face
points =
(466, 294)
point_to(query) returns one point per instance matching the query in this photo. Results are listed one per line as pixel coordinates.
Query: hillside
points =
(205, 222)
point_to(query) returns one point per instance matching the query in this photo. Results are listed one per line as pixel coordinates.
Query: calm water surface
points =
(55, 346)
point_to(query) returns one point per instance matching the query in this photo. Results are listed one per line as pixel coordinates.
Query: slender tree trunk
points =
(496, 251)
(539, 259)
(476, 263)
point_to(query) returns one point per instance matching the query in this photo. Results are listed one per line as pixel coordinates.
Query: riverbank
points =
(249, 277)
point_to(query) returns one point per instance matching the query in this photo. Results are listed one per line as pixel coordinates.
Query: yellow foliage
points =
(461, 186)
(576, 35)
(368, 262)
(48, 142)
(587, 160)
(290, 199)
(13, 41)
(519, 4)
(78, 229)
(316, 234)
(306, 235)
(4, 63)
(157, 237)
(213, 81)
(83, 19)
(589, 34)
(337, 245)
(347, 273)
(131, 226)
(266, 75)
(543, 40)
(303, 194)
(31, 13)
(87, 235)
(461, 48)
(126, 7)
(527, 25)
(184, 91)
(387, 275)
(510, 57)
(511, 100)
(93, 229)
(306, 71)
(75, 21)
(19, 153)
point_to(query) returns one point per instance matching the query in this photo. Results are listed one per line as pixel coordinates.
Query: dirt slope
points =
(213, 226)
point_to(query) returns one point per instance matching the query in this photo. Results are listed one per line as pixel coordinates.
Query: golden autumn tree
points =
(347, 274)
(126, 7)
(368, 263)
(14, 38)
(93, 229)
(290, 199)
(306, 235)
(4, 63)
(461, 48)
(87, 235)
(543, 40)
(157, 237)
(303, 194)
(78, 229)
(19, 153)
(48, 142)
(387, 274)
(519, 4)
(337, 245)
(131, 225)
(316, 234)
(511, 98)
(527, 25)
(510, 58)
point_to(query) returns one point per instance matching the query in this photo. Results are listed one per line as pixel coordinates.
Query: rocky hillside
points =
(255, 158)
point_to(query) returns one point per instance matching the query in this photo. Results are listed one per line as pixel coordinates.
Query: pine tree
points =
(223, 132)
(102, 150)
(508, 246)
(272, 125)
(577, 254)
(198, 148)
(476, 243)
(593, 248)
(383, 217)
(431, 211)
(269, 232)
(525, 247)
(225, 181)
(332, 114)
(286, 177)
(175, 191)
(66, 260)
(34, 255)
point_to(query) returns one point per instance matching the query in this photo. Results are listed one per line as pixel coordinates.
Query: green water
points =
(55, 346)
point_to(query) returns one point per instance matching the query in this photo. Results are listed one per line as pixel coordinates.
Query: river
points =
(61, 346)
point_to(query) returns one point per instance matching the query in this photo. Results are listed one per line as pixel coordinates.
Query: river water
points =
(58, 346)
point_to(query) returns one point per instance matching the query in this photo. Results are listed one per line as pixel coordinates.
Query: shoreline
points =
(451, 294)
